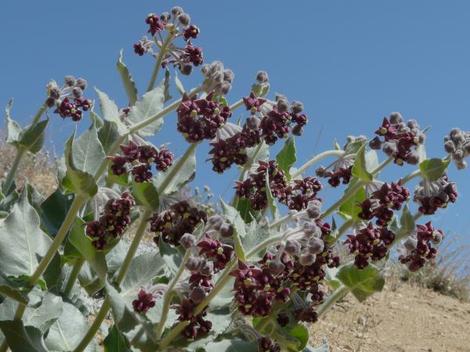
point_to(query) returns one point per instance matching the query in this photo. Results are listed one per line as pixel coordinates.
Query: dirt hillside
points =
(405, 319)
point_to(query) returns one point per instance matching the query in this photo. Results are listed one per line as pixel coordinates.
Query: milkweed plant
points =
(249, 274)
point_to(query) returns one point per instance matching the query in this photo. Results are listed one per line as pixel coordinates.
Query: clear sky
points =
(350, 62)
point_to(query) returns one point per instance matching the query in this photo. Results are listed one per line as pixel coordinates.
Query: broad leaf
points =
(146, 194)
(433, 169)
(110, 111)
(88, 153)
(84, 246)
(13, 129)
(108, 134)
(143, 269)
(179, 85)
(76, 180)
(359, 168)
(32, 137)
(351, 208)
(53, 211)
(287, 156)
(22, 240)
(407, 221)
(116, 341)
(66, 333)
(300, 333)
(127, 80)
(124, 317)
(150, 105)
(21, 338)
(231, 345)
(239, 231)
(46, 314)
(361, 282)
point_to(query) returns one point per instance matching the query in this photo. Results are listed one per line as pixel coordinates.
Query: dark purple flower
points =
(143, 302)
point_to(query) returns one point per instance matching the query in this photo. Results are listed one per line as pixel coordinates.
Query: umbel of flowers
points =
(248, 273)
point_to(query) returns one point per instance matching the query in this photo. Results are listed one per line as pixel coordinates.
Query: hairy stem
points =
(6, 188)
(410, 176)
(169, 295)
(158, 63)
(316, 159)
(77, 266)
(120, 277)
(338, 294)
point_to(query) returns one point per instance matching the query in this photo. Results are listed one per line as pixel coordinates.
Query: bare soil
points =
(398, 319)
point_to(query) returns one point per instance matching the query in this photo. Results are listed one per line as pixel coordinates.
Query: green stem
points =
(411, 176)
(20, 152)
(338, 294)
(348, 195)
(77, 266)
(42, 109)
(169, 295)
(316, 159)
(236, 105)
(172, 334)
(158, 64)
(343, 228)
(120, 277)
(174, 170)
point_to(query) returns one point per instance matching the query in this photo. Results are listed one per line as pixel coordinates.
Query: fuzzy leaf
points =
(116, 341)
(231, 345)
(46, 314)
(150, 104)
(433, 169)
(32, 138)
(108, 134)
(124, 316)
(21, 338)
(143, 269)
(9, 288)
(76, 180)
(66, 333)
(179, 85)
(22, 240)
(127, 80)
(88, 153)
(110, 111)
(84, 246)
(359, 168)
(146, 194)
(351, 208)
(53, 211)
(239, 231)
(361, 282)
(287, 156)
(407, 221)
(299, 332)
(13, 129)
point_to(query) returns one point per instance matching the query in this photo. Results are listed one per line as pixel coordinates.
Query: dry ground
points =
(398, 319)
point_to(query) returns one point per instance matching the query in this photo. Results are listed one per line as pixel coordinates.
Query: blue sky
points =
(350, 62)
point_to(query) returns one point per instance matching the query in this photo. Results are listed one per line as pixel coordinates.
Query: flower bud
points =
(307, 259)
(395, 117)
(390, 148)
(188, 240)
(229, 75)
(262, 77)
(69, 81)
(311, 229)
(276, 267)
(215, 222)
(77, 92)
(410, 243)
(206, 268)
(197, 294)
(186, 69)
(413, 158)
(253, 122)
(314, 209)
(165, 16)
(184, 19)
(297, 107)
(292, 247)
(193, 264)
(375, 143)
(315, 246)
(176, 11)
(81, 83)
(282, 104)
(226, 230)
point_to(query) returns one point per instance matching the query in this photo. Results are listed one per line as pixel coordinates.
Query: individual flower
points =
(112, 223)
(382, 202)
(432, 195)
(265, 344)
(180, 218)
(143, 302)
(138, 160)
(68, 100)
(457, 144)
(200, 119)
(218, 252)
(399, 140)
(420, 247)
(370, 243)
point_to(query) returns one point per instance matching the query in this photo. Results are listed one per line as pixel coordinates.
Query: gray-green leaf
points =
(127, 80)
(150, 105)
(359, 168)
(433, 169)
(287, 156)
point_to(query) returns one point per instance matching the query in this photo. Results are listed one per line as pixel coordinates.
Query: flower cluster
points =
(200, 119)
(68, 99)
(213, 256)
(457, 144)
(400, 140)
(298, 263)
(432, 195)
(268, 122)
(138, 160)
(382, 202)
(296, 194)
(143, 302)
(418, 249)
(178, 25)
(112, 223)
(341, 172)
(369, 243)
(180, 218)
